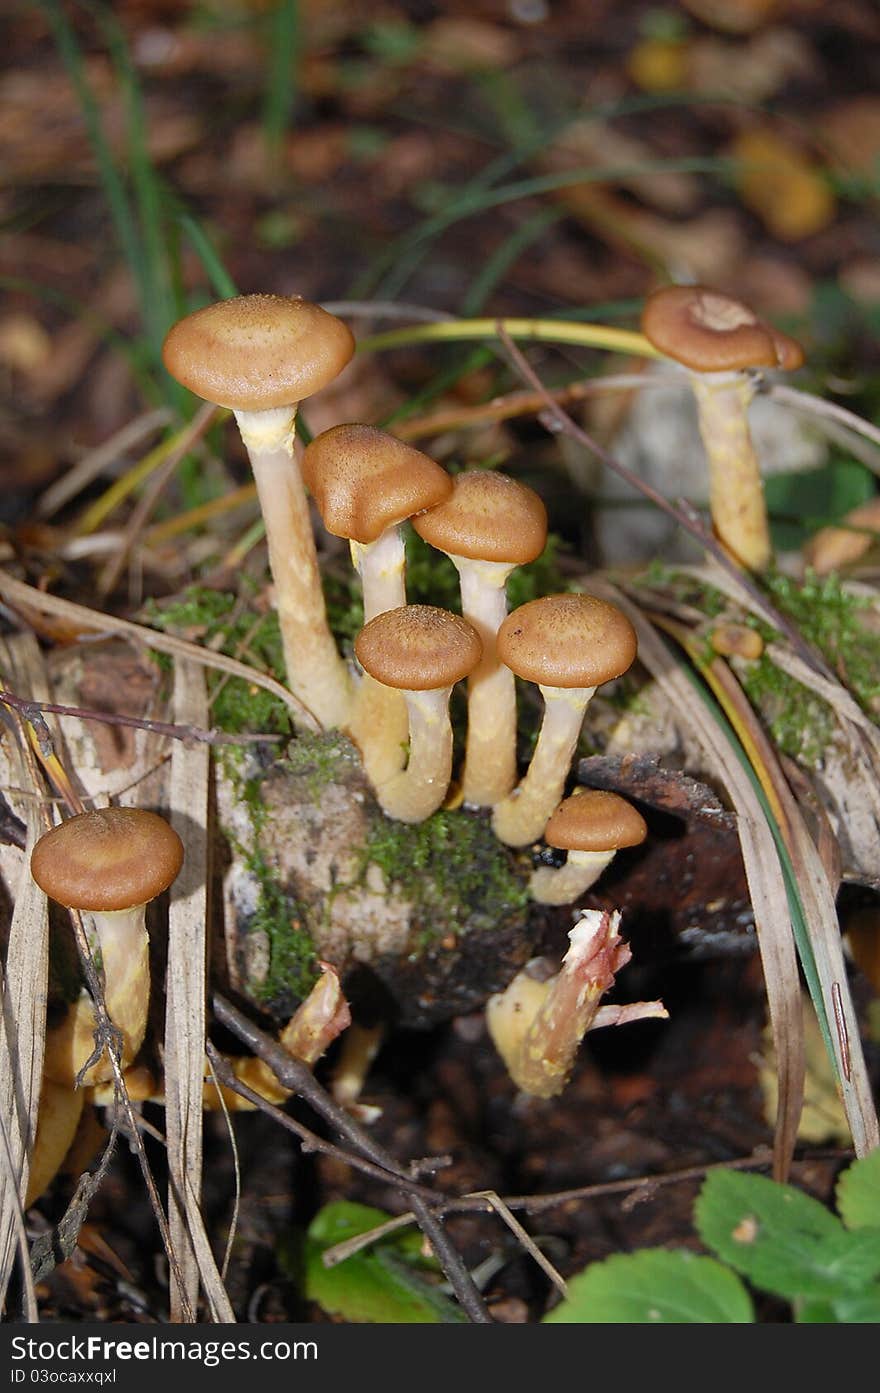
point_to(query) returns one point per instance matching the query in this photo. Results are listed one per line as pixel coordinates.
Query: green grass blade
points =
(283, 45)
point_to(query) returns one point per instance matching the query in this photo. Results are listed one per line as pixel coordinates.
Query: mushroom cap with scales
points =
(364, 480)
(708, 331)
(107, 859)
(570, 640)
(418, 648)
(595, 820)
(257, 352)
(487, 517)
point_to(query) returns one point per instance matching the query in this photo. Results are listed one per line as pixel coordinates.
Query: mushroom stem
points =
(565, 884)
(418, 790)
(736, 492)
(124, 950)
(60, 1111)
(316, 672)
(490, 749)
(521, 817)
(381, 566)
(380, 723)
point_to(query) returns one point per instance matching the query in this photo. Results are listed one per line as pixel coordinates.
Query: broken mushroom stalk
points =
(261, 355)
(592, 826)
(718, 340)
(537, 1025)
(108, 863)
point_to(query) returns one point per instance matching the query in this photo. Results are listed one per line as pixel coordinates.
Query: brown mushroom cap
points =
(487, 517)
(255, 352)
(567, 641)
(712, 332)
(108, 859)
(364, 480)
(418, 648)
(595, 820)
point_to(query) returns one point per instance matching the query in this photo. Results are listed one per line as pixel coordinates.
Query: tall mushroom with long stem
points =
(569, 645)
(592, 826)
(422, 652)
(261, 355)
(718, 339)
(489, 525)
(365, 484)
(108, 863)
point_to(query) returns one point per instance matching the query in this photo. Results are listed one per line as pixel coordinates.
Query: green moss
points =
(293, 968)
(224, 621)
(830, 617)
(321, 760)
(451, 867)
(802, 724)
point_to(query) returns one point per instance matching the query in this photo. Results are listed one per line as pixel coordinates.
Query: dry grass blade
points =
(764, 875)
(185, 1018)
(74, 480)
(23, 1020)
(19, 595)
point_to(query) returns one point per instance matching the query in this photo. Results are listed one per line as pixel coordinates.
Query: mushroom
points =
(717, 338)
(489, 525)
(365, 484)
(422, 651)
(60, 1111)
(260, 355)
(592, 825)
(569, 645)
(110, 863)
(537, 1024)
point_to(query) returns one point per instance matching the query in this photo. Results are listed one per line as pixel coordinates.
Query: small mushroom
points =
(421, 651)
(592, 826)
(489, 525)
(569, 645)
(365, 484)
(261, 355)
(108, 863)
(718, 339)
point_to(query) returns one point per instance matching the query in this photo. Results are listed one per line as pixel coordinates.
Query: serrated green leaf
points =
(378, 1285)
(782, 1240)
(858, 1193)
(655, 1286)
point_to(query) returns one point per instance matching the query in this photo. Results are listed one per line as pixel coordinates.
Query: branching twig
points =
(298, 1077)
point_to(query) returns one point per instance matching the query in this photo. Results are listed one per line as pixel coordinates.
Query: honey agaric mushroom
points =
(489, 525)
(261, 355)
(537, 1026)
(365, 484)
(61, 1108)
(422, 651)
(592, 826)
(569, 645)
(108, 863)
(717, 338)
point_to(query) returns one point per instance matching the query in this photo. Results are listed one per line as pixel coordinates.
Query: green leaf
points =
(801, 502)
(655, 1286)
(380, 1284)
(861, 1308)
(858, 1193)
(782, 1240)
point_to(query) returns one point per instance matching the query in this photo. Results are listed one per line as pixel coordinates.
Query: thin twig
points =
(298, 1077)
(31, 710)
